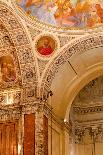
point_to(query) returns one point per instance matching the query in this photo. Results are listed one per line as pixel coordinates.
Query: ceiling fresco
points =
(65, 13)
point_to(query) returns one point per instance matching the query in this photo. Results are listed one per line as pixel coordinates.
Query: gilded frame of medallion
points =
(55, 51)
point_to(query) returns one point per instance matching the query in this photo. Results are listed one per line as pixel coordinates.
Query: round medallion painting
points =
(45, 45)
(66, 13)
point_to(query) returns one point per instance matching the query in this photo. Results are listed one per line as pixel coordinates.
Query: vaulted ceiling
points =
(74, 56)
(91, 95)
(88, 105)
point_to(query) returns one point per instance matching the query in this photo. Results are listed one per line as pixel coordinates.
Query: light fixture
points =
(65, 120)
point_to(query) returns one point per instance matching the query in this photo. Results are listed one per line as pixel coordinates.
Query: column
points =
(41, 132)
(35, 129)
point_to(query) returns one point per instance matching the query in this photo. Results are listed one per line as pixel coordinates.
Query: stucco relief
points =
(66, 39)
(16, 45)
(16, 32)
(42, 65)
(89, 99)
(9, 71)
(77, 47)
(89, 135)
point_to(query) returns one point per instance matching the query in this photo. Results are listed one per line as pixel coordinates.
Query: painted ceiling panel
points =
(65, 13)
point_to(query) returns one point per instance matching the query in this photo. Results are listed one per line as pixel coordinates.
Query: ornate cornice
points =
(9, 113)
(88, 135)
(82, 111)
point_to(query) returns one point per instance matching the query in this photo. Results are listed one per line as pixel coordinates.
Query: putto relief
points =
(64, 13)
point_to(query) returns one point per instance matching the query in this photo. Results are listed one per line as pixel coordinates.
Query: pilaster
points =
(40, 126)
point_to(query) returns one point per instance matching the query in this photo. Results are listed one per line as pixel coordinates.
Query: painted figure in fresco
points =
(63, 12)
(31, 6)
(79, 14)
(99, 11)
(7, 69)
(47, 15)
(93, 19)
(45, 48)
(71, 13)
(42, 9)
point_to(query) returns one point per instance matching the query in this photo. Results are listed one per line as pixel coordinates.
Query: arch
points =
(22, 45)
(18, 35)
(91, 45)
(77, 47)
(81, 83)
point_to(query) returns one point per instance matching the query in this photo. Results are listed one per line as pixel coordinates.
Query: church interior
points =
(51, 77)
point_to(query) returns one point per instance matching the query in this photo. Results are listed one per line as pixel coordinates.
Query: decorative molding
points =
(77, 47)
(66, 39)
(89, 135)
(82, 111)
(90, 98)
(9, 113)
(18, 36)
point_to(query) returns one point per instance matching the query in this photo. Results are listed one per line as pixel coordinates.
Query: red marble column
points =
(41, 134)
(29, 134)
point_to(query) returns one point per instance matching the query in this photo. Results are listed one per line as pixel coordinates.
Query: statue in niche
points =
(7, 68)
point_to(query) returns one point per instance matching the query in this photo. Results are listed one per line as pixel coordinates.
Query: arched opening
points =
(16, 71)
(72, 143)
(86, 120)
(84, 116)
(71, 78)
